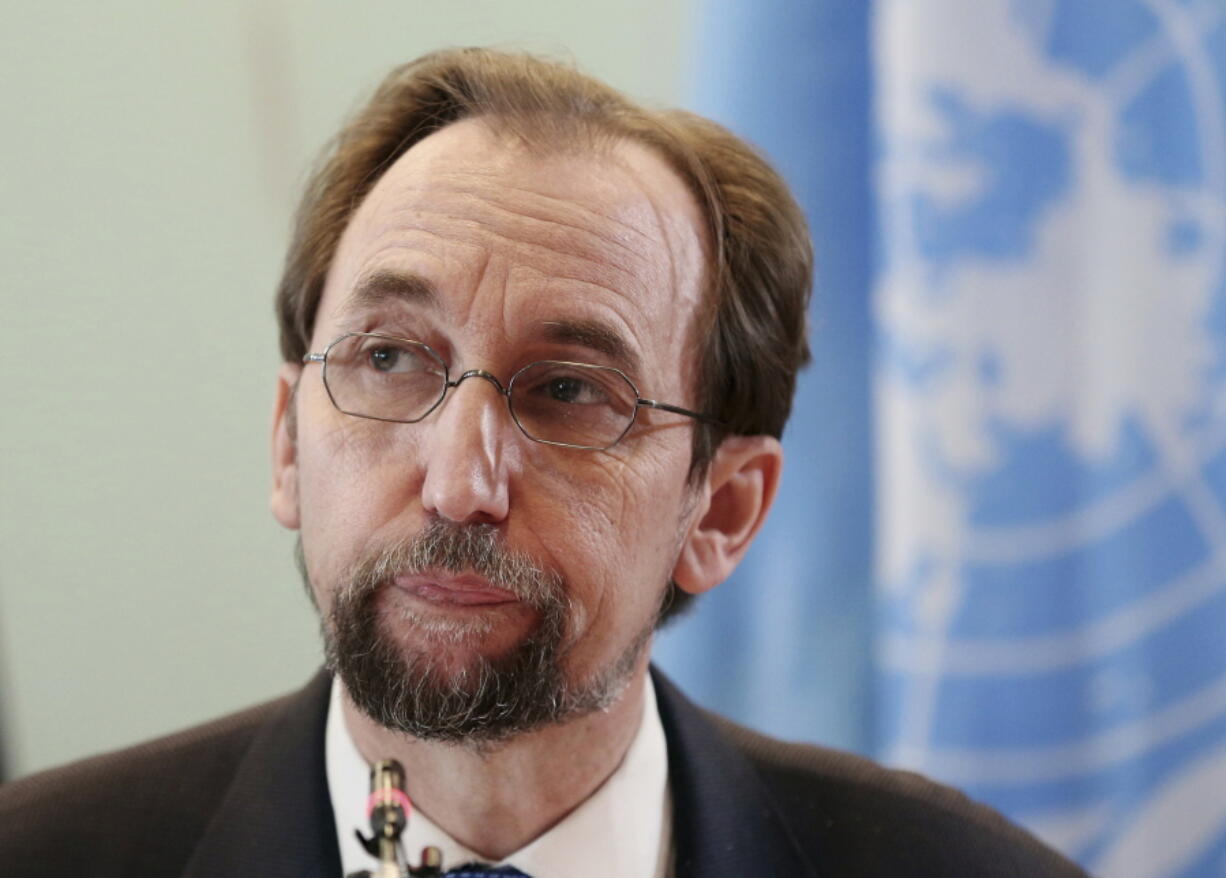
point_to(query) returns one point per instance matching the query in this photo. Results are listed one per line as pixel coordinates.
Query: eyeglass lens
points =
(395, 379)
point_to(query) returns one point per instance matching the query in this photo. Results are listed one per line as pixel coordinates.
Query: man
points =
(539, 347)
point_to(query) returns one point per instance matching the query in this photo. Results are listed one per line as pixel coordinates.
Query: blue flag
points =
(1051, 424)
(1029, 384)
(784, 645)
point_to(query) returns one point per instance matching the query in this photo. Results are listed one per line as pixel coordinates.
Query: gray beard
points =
(491, 698)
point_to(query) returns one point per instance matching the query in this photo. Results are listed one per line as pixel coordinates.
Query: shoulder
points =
(740, 794)
(139, 810)
(859, 817)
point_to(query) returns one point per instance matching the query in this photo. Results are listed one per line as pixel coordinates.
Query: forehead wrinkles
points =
(625, 238)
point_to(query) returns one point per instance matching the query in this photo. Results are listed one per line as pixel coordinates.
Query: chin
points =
(441, 675)
(443, 681)
(432, 657)
(449, 650)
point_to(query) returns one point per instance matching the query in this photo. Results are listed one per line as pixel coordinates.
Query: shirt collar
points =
(625, 826)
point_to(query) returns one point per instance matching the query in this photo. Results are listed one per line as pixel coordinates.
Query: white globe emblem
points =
(1052, 407)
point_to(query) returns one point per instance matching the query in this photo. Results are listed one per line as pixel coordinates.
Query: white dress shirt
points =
(623, 829)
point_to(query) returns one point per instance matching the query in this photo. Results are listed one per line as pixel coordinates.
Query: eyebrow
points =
(389, 286)
(595, 335)
(384, 286)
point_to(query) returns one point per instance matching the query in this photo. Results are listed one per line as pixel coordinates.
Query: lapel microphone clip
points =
(388, 809)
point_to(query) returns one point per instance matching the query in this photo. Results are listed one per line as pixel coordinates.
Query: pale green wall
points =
(152, 154)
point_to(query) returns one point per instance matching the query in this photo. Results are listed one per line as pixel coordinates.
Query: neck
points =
(494, 800)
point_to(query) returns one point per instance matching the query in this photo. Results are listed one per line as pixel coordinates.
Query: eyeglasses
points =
(575, 405)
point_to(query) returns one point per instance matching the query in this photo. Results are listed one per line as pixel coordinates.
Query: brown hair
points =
(750, 332)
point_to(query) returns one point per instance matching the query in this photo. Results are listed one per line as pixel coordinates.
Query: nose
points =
(468, 462)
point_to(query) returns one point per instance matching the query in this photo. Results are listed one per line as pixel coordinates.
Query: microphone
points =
(388, 809)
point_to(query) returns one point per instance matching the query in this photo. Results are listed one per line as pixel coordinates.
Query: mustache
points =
(445, 546)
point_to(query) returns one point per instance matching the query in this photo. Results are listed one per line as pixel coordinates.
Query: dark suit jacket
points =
(246, 795)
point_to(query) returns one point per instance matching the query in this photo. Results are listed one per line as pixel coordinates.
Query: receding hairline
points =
(676, 216)
(554, 133)
(576, 139)
(546, 105)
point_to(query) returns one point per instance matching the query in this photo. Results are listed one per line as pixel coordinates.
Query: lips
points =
(462, 590)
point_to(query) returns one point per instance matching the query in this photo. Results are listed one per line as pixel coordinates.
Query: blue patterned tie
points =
(482, 870)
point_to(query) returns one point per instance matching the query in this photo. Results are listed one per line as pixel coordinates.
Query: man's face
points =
(497, 258)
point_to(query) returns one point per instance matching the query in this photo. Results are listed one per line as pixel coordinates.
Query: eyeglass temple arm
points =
(678, 410)
(312, 358)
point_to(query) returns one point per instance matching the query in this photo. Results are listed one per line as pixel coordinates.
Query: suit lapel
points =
(724, 820)
(276, 818)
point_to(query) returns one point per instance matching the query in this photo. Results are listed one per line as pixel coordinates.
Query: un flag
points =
(1044, 333)
(1051, 386)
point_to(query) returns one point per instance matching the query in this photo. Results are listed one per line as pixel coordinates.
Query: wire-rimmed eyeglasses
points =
(557, 402)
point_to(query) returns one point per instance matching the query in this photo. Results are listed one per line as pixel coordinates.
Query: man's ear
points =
(284, 502)
(736, 494)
